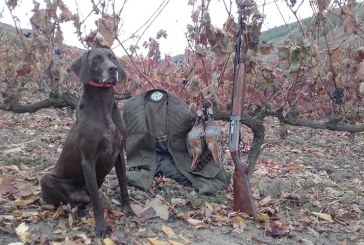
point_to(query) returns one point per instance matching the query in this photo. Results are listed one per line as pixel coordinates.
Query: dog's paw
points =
(79, 196)
(128, 211)
(102, 230)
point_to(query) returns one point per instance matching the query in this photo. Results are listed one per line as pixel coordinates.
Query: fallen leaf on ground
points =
(265, 201)
(25, 202)
(296, 151)
(137, 208)
(117, 214)
(149, 213)
(168, 231)
(305, 218)
(23, 232)
(17, 213)
(262, 217)
(221, 218)
(174, 242)
(26, 189)
(7, 186)
(239, 228)
(59, 231)
(209, 206)
(257, 241)
(91, 222)
(323, 216)
(184, 216)
(85, 239)
(239, 219)
(154, 241)
(198, 224)
(186, 240)
(70, 220)
(195, 222)
(58, 212)
(108, 241)
(275, 229)
(119, 236)
(160, 208)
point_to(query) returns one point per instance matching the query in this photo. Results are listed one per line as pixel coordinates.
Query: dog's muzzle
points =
(110, 76)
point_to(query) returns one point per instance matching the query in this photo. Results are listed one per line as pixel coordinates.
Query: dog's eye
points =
(97, 59)
(112, 57)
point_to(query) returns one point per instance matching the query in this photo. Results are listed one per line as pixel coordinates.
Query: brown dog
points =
(95, 142)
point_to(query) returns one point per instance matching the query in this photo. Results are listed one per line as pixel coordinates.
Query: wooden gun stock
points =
(243, 199)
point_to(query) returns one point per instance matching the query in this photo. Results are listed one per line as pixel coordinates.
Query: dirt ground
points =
(309, 189)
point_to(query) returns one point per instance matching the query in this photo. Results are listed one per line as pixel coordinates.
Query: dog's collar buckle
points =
(99, 85)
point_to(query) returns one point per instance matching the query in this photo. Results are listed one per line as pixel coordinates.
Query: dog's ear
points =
(121, 73)
(81, 68)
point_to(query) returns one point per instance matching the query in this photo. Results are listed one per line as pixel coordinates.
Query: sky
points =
(174, 18)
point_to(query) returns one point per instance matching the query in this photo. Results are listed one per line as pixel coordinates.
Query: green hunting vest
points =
(169, 120)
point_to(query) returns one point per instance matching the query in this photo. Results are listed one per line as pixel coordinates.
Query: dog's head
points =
(99, 65)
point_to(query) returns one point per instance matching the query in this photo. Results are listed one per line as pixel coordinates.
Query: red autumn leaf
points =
(148, 213)
(256, 98)
(274, 229)
(119, 237)
(7, 186)
(22, 69)
(25, 189)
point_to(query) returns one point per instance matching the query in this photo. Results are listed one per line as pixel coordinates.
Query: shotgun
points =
(243, 199)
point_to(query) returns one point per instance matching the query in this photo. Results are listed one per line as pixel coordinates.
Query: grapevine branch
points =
(342, 127)
(154, 18)
(294, 12)
(285, 23)
(223, 70)
(347, 37)
(145, 23)
(60, 101)
(149, 22)
(228, 9)
(134, 64)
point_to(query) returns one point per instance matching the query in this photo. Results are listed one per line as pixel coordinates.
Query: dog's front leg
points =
(120, 169)
(120, 165)
(88, 166)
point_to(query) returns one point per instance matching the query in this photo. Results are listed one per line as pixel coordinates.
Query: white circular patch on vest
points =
(156, 96)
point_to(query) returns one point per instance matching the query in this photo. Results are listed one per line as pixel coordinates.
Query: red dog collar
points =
(98, 85)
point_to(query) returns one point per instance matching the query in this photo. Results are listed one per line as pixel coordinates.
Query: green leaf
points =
(294, 67)
(295, 54)
(307, 43)
(283, 52)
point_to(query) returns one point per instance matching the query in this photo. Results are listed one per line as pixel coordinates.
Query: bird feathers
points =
(205, 134)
